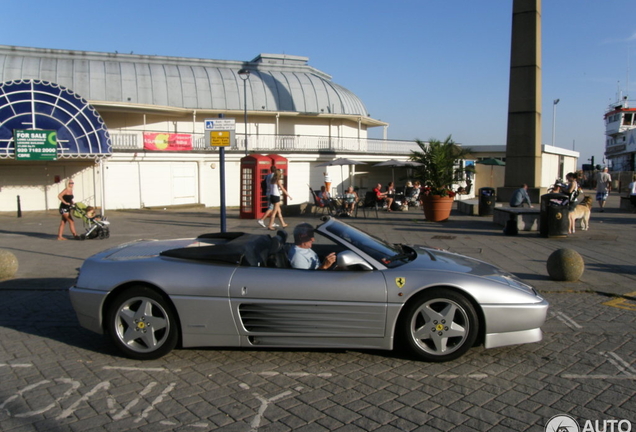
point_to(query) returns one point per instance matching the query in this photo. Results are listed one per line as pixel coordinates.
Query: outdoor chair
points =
(370, 202)
(321, 204)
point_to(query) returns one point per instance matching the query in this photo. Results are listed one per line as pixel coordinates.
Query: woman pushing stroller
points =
(66, 198)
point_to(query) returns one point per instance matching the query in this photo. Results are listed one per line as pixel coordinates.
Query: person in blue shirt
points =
(301, 256)
(521, 197)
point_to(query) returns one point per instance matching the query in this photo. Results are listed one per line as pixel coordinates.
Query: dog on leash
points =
(581, 211)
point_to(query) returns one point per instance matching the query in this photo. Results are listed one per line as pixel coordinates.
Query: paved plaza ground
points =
(56, 376)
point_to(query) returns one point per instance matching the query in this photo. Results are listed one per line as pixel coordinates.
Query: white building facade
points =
(153, 150)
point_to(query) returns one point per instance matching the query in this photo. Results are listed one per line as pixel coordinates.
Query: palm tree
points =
(439, 168)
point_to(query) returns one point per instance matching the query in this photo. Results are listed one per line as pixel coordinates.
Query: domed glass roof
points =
(277, 83)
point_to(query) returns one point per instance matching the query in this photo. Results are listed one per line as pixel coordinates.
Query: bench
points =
(471, 206)
(527, 218)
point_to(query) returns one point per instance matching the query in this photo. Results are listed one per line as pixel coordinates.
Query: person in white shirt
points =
(301, 256)
(277, 190)
(632, 191)
(603, 187)
(270, 206)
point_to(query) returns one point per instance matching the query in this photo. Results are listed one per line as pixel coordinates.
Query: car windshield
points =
(378, 249)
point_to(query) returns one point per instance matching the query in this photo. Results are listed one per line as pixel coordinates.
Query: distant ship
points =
(620, 136)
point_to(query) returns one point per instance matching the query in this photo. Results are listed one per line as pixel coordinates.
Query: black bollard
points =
(19, 207)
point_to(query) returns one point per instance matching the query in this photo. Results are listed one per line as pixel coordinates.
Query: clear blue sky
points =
(430, 68)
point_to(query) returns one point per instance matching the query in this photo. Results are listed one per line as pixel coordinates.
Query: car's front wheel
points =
(440, 325)
(142, 324)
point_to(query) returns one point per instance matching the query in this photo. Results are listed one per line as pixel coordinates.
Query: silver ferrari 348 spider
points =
(238, 290)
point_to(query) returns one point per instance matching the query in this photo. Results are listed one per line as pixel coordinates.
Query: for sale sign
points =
(35, 144)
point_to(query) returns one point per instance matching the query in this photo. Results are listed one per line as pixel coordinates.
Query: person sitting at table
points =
(350, 200)
(412, 194)
(408, 188)
(324, 196)
(390, 195)
(379, 195)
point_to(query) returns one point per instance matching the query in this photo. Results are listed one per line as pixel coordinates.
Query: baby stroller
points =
(96, 225)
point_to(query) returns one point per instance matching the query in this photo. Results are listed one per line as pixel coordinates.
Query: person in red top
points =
(379, 195)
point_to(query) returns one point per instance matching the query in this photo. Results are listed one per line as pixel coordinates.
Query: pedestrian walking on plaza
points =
(632, 192)
(267, 182)
(66, 198)
(603, 187)
(275, 198)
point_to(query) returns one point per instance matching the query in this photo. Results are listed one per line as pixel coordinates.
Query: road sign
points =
(220, 124)
(220, 138)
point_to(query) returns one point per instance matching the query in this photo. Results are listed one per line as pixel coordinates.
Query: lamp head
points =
(244, 74)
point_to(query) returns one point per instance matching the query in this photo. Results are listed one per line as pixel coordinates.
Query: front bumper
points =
(514, 324)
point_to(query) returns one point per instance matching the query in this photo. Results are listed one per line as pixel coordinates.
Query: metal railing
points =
(288, 143)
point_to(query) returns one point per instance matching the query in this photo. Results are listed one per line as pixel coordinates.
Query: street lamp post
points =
(556, 101)
(245, 75)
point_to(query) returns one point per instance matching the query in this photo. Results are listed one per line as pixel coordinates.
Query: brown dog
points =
(581, 211)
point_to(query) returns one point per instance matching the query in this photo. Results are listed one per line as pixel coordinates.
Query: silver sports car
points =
(238, 290)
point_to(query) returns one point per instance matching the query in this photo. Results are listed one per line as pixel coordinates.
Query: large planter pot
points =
(437, 208)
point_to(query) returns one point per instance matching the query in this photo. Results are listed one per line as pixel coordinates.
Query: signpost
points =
(220, 133)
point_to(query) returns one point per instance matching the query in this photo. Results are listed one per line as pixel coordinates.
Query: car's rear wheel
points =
(142, 324)
(440, 325)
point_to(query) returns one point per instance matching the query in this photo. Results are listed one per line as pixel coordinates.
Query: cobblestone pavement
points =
(56, 376)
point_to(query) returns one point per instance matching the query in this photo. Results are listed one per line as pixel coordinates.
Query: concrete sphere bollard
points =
(8, 264)
(565, 265)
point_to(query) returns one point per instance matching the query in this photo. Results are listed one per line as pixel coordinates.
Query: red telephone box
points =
(254, 168)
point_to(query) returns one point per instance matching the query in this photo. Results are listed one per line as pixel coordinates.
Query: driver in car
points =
(301, 256)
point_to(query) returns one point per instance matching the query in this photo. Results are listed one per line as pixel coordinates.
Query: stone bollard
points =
(565, 265)
(8, 264)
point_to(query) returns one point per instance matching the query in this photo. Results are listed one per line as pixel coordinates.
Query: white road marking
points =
(264, 404)
(140, 369)
(599, 377)
(67, 412)
(626, 371)
(157, 400)
(135, 401)
(450, 376)
(566, 320)
(295, 374)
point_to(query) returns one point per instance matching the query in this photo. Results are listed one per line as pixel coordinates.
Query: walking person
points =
(632, 192)
(268, 191)
(572, 190)
(603, 187)
(66, 198)
(275, 197)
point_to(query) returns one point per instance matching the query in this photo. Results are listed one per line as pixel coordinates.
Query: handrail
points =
(291, 143)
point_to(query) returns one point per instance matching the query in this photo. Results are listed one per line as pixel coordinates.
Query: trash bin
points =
(487, 198)
(553, 219)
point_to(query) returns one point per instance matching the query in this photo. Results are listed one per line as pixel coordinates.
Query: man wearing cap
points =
(301, 256)
(603, 187)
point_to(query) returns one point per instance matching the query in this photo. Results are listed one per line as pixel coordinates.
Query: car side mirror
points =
(348, 260)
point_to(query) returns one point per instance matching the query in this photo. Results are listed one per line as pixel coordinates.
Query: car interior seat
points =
(277, 254)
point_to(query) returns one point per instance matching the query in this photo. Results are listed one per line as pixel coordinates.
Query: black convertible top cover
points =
(232, 248)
